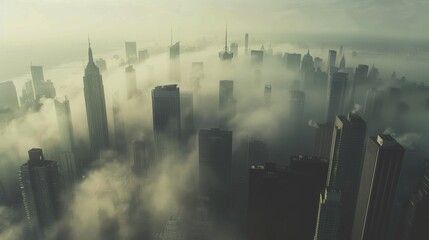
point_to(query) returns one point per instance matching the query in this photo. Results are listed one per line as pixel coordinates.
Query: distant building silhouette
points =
(95, 107)
(267, 95)
(140, 158)
(234, 49)
(166, 119)
(130, 76)
(131, 52)
(28, 96)
(175, 62)
(323, 140)
(246, 43)
(197, 75)
(258, 153)
(101, 64)
(119, 125)
(332, 59)
(293, 61)
(39, 181)
(227, 103)
(8, 96)
(377, 189)
(337, 83)
(42, 88)
(342, 65)
(187, 114)
(143, 55)
(226, 55)
(256, 57)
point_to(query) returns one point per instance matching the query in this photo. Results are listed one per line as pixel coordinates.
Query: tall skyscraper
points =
(293, 61)
(377, 189)
(246, 43)
(345, 164)
(323, 140)
(166, 119)
(342, 65)
(131, 52)
(175, 62)
(296, 107)
(140, 159)
(187, 113)
(226, 55)
(226, 102)
(39, 181)
(215, 160)
(37, 74)
(119, 125)
(332, 59)
(143, 55)
(256, 57)
(234, 49)
(67, 163)
(337, 83)
(101, 64)
(359, 86)
(28, 97)
(8, 96)
(42, 88)
(329, 216)
(95, 107)
(307, 64)
(130, 75)
(197, 75)
(258, 153)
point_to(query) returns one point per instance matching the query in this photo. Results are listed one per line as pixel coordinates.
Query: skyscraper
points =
(101, 64)
(307, 64)
(337, 83)
(27, 98)
(296, 107)
(323, 140)
(215, 160)
(166, 119)
(377, 189)
(8, 96)
(293, 61)
(359, 86)
(37, 74)
(342, 65)
(329, 216)
(332, 59)
(267, 95)
(256, 57)
(140, 159)
(258, 153)
(143, 55)
(226, 102)
(197, 75)
(119, 125)
(39, 181)
(246, 43)
(187, 113)
(42, 88)
(67, 163)
(345, 164)
(226, 55)
(234, 49)
(175, 62)
(130, 75)
(131, 52)
(95, 107)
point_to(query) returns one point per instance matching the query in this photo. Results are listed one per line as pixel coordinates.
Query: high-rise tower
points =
(95, 107)
(226, 55)
(337, 83)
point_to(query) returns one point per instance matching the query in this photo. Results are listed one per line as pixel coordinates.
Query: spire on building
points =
(343, 63)
(226, 38)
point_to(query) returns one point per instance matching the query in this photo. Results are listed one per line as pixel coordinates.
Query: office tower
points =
(226, 102)
(119, 125)
(246, 43)
(215, 160)
(359, 86)
(175, 62)
(27, 97)
(130, 75)
(323, 140)
(296, 107)
(166, 119)
(101, 64)
(67, 163)
(377, 189)
(131, 52)
(345, 164)
(307, 64)
(95, 107)
(8, 96)
(226, 55)
(332, 58)
(256, 57)
(267, 95)
(42, 88)
(39, 181)
(342, 65)
(341, 52)
(293, 61)
(337, 83)
(329, 216)
(143, 55)
(187, 114)
(373, 104)
(373, 75)
(234, 49)
(258, 153)
(197, 75)
(140, 159)
(318, 63)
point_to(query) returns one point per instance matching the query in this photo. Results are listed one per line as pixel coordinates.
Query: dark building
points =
(227, 103)
(131, 52)
(215, 160)
(373, 104)
(345, 164)
(342, 65)
(175, 62)
(293, 61)
(119, 125)
(283, 203)
(187, 114)
(332, 59)
(246, 43)
(131, 78)
(234, 49)
(307, 64)
(39, 181)
(377, 189)
(226, 55)
(95, 107)
(8, 96)
(140, 158)
(267, 95)
(323, 140)
(296, 107)
(197, 75)
(360, 86)
(166, 119)
(28, 97)
(143, 55)
(42, 88)
(256, 57)
(329, 216)
(337, 83)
